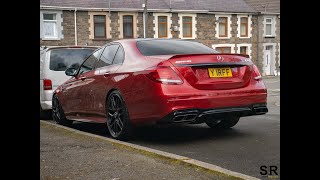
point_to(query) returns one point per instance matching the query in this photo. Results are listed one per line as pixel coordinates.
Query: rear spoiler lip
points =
(183, 55)
(218, 64)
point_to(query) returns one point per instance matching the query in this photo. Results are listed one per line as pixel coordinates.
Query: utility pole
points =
(145, 19)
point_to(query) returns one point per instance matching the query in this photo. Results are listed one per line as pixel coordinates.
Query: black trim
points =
(203, 115)
(217, 64)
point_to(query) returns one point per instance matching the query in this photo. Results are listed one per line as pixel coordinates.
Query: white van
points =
(53, 63)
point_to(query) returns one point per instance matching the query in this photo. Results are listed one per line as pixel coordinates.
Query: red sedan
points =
(160, 81)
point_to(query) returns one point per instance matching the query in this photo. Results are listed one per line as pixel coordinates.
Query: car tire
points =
(45, 114)
(225, 123)
(118, 121)
(58, 114)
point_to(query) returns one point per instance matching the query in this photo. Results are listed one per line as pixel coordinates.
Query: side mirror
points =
(71, 72)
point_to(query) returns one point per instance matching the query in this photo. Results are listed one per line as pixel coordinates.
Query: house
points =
(232, 26)
(268, 35)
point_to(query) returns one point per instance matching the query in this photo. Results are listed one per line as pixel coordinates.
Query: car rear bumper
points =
(162, 107)
(46, 105)
(203, 115)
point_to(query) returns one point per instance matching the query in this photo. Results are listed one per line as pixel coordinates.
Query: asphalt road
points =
(252, 143)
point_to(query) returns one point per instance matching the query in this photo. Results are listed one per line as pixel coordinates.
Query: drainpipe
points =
(145, 13)
(75, 28)
(258, 39)
(109, 8)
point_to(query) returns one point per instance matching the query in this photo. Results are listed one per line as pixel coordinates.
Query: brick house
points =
(268, 35)
(229, 26)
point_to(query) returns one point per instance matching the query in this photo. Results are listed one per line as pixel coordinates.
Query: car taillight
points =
(47, 84)
(164, 75)
(256, 73)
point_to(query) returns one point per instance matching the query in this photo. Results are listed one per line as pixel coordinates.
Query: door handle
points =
(83, 78)
(106, 74)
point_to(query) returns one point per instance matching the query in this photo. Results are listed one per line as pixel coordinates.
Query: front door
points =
(268, 60)
(76, 89)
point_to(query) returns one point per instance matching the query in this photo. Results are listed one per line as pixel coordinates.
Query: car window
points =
(118, 59)
(107, 55)
(88, 65)
(63, 58)
(167, 47)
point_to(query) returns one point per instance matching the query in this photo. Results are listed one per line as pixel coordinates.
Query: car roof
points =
(69, 47)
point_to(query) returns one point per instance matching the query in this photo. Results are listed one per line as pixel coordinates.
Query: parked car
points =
(134, 82)
(53, 62)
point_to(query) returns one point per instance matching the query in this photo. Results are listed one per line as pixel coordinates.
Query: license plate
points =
(220, 72)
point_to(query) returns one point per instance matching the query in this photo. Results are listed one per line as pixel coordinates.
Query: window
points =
(162, 26)
(243, 50)
(50, 25)
(99, 26)
(61, 59)
(269, 28)
(223, 26)
(108, 55)
(244, 27)
(118, 59)
(224, 49)
(269, 47)
(128, 26)
(166, 47)
(187, 26)
(88, 65)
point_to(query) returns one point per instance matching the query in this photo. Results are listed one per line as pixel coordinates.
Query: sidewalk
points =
(68, 155)
(270, 77)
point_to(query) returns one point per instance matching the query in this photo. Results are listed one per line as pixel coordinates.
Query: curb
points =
(153, 152)
(270, 77)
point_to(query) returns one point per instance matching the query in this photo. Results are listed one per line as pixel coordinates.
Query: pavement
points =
(68, 155)
(252, 143)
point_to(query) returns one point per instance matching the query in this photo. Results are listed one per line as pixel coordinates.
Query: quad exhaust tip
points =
(192, 115)
(185, 118)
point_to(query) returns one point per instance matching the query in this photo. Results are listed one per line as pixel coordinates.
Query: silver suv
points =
(53, 62)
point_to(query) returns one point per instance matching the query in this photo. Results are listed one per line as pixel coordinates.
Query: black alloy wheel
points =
(118, 118)
(58, 114)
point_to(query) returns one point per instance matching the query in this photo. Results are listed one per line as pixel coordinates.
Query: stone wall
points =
(82, 28)
(114, 26)
(206, 32)
(140, 25)
(175, 22)
(150, 26)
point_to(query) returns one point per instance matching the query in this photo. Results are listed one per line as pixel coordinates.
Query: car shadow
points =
(172, 134)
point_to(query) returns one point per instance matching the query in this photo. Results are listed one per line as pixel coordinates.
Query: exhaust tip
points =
(184, 118)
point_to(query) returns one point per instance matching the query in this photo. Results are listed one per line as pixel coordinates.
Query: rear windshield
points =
(166, 47)
(61, 59)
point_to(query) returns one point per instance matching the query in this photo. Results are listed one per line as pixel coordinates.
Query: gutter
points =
(141, 10)
(218, 12)
(270, 13)
(118, 9)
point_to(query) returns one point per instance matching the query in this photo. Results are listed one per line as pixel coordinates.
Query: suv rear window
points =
(61, 59)
(166, 47)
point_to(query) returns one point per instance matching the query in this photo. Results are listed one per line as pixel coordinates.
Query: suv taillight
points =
(164, 75)
(47, 84)
(256, 73)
